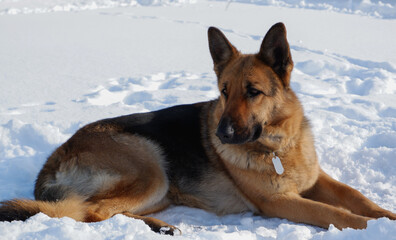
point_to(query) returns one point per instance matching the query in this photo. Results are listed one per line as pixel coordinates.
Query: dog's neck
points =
(278, 137)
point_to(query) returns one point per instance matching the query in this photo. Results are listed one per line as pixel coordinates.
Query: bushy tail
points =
(21, 209)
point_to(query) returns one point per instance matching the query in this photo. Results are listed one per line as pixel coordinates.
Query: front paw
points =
(391, 215)
(384, 213)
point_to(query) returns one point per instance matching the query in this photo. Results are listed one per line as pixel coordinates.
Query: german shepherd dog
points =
(249, 150)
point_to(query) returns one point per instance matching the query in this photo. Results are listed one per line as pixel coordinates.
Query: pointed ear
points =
(220, 48)
(275, 52)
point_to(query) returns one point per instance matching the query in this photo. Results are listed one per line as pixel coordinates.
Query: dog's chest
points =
(264, 181)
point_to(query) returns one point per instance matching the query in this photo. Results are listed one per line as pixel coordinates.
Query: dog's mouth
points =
(257, 130)
(228, 135)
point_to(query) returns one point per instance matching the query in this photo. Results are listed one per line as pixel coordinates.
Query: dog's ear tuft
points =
(220, 48)
(275, 52)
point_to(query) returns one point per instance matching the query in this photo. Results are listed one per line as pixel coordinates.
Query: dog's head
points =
(253, 86)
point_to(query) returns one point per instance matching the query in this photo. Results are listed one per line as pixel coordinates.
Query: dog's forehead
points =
(247, 69)
(261, 72)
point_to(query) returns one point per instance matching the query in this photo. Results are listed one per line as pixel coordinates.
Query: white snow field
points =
(64, 64)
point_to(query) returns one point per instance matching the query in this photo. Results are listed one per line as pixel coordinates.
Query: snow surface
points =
(64, 64)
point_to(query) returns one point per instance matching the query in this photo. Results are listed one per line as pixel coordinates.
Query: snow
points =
(375, 8)
(64, 64)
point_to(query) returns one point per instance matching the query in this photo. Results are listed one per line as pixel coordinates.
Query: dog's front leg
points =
(330, 191)
(295, 208)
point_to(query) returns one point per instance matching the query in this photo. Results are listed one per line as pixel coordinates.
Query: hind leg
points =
(134, 204)
(143, 183)
(134, 207)
(115, 173)
(155, 224)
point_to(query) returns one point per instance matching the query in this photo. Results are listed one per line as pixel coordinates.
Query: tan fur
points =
(74, 207)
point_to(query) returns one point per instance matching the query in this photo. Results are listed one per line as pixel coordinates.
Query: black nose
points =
(225, 130)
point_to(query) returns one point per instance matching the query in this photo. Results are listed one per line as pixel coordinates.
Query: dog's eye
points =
(224, 92)
(252, 92)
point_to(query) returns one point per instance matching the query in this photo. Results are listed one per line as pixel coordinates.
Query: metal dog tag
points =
(277, 164)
